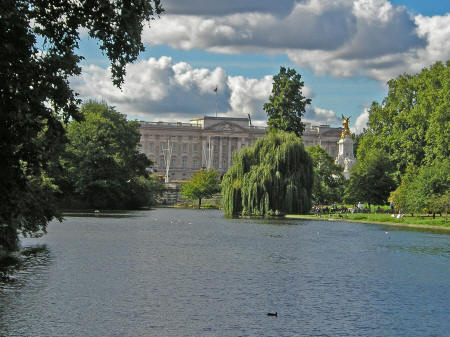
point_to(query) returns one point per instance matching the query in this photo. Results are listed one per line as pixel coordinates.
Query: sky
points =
(345, 51)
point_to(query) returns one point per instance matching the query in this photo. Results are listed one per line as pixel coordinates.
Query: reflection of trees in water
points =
(15, 269)
(423, 250)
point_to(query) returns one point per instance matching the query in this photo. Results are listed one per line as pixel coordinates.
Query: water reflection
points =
(400, 228)
(108, 214)
(193, 273)
(422, 250)
(14, 269)
(277, 257)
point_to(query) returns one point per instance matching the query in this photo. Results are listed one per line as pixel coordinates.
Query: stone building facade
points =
(324, 135)
(208, 142)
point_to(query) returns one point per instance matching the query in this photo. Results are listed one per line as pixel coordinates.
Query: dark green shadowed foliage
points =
(274, 176)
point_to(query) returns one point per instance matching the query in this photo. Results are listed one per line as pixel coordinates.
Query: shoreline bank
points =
(393, 224)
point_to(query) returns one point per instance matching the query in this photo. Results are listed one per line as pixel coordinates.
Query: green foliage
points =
(35, 207)
(328, 178)
(275, 175)
(371, 180)
(424, 189)
(410, 221)
(413, 122)
(356, 141)
(35, 97)
(203, 184)
(143, 191)
(287, 104)
(102, 165)
(412, 127)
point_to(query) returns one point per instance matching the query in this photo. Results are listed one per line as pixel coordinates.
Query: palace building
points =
(180, 149)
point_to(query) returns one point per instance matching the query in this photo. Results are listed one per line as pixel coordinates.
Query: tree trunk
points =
(199, 203)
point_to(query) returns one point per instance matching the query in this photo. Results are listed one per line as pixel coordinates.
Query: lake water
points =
(169, 272)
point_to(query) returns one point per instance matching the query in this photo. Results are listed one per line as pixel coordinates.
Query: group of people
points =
(329, 210)
(357, 208)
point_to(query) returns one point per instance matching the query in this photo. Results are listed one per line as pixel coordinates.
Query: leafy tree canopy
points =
(203, 184)
(102, 162)
(287, 104)
(371, 180)
(424, 189)
(38, 43)
(273, 176)
(412, 124)
(328, 178)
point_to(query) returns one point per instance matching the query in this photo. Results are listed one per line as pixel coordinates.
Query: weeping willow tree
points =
(273, 176)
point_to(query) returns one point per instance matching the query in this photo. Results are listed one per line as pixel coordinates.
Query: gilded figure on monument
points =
(346, 132)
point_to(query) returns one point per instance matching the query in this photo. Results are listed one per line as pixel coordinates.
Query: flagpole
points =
(217, 101)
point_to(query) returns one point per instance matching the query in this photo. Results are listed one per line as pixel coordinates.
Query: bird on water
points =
(274, 314)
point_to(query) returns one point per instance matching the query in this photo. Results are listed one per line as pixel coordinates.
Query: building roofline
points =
(219, 118)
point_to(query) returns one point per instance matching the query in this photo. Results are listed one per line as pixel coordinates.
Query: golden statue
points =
(346, 131)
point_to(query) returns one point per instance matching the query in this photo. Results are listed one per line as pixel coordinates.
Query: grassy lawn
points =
(382, 218)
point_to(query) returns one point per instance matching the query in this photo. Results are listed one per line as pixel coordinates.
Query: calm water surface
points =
(171, 272)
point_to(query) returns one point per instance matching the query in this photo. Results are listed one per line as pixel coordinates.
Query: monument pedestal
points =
(345, 157)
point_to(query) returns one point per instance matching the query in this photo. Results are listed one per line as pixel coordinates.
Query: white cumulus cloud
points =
(361, 122)
(159, 89)
(338, 37)
(317, 115)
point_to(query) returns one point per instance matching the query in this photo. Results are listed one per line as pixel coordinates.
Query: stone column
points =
(239, 144)
(220, 152)
(229, 152)
(204, 152)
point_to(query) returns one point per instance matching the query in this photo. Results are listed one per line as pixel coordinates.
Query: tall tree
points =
(371, 180)
(328, 178)
(102, 161)
(424, 189)
(412, 124)
(38, 40)
(273, 176)
(203, 184)
(287, 104)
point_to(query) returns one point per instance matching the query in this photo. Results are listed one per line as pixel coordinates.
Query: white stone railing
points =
(171, 124)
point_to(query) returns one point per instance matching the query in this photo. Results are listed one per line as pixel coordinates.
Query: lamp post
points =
(167, 158)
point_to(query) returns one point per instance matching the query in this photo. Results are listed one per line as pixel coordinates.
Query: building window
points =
(150, 147)
(174, 147)
(184, 148)
(195, 163)
(224, 164)
(184, 162)
(162, 163)
(195, 147)
(173, 162)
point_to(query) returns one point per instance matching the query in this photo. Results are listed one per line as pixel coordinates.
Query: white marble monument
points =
(345, 157)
